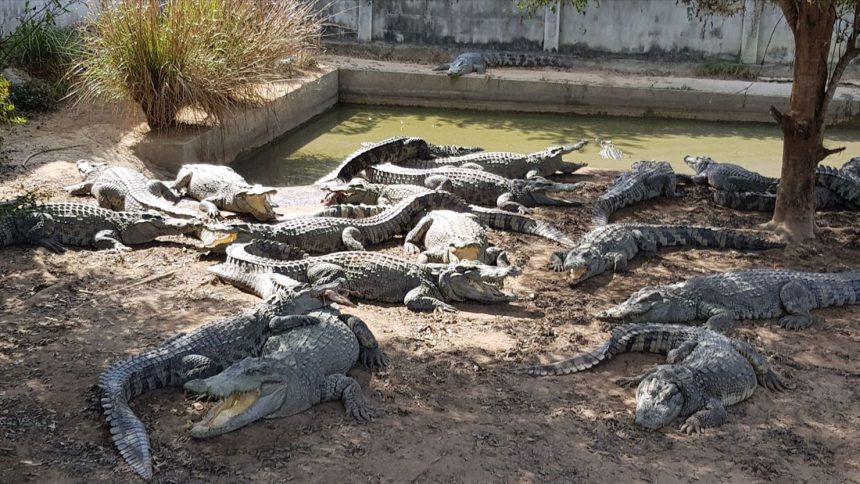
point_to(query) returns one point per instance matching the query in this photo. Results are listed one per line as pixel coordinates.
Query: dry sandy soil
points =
(446, 408)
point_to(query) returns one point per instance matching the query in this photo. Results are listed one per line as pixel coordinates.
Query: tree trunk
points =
(803, 127)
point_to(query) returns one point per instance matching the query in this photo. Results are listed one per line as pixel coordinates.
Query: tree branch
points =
(832, 151)
(851, 52)
(784, 122)
(790, 11)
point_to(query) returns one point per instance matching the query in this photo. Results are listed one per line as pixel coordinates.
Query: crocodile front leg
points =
(713, 415)
(210, 206)
(632, 381)
(160, 189)
(495, 256)
(618, 261)
(369, 354)
(109, 239)
(439, 182)
(414, 239)
(506, 202)
(342, 387)
(351, 238)
(679, 354)
(797, 301)
(422, 298)
(556, 260)
(109, 196)
(183, 181)
(79, 189)
(719, 318)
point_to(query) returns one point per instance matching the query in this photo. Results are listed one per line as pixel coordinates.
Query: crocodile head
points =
(248, 390)
(532, 193)
(464, 64)
(148, 226)
(470, 280)
(456, 251)
(653, 304)
(583, 264)
(87, 167)
(255, 201)
(659, 400)
(698, 163)
(354, 192)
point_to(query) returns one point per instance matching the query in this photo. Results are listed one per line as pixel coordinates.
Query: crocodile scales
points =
(219, 187)
(766, 202)
(645, 180)
(842, 183)
(704, 372)
(123, 189)
(54, 225)
(728, 177)
(755, 294)
(610, 247)
(478, 62)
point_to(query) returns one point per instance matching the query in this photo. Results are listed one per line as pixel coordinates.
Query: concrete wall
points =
(657, 28)
(12, 10)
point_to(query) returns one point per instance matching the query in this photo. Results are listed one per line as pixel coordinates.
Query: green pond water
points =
(306, 154)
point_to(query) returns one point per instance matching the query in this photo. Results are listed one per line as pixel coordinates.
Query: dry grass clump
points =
(211, 55)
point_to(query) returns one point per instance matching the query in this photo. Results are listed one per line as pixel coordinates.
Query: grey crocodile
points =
(766, 202)
(449, 237)
(437, 151)
(123, 189)
(296, 370)
(610, 247)
(478, 187)
(200, 353)
(840, 182)
(389, 150)
(645, 180)
(361, 191)
(510, 165)
(756, 294)
(219, 187)
(704, 372)
(55, 225)
(322, 235)
(852, 167)
(351, 211)
(728, 177)
(478, 62)
(379, 277)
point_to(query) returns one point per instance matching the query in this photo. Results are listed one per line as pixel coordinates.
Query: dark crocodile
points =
(200, 353)
(728, 177)
(55, 225)
(219, 187)
(123, 189)
(704, 372)
(360, 191)
(842, 183)
(645, 180)
(296, 369)
(322, 235)
(478, 62)
(756, 294)
(438, 151)
(510, 165)
(852, 167)
(390, 150)
(378, 277)
(766, 202)
(476, 186)
(610, 247)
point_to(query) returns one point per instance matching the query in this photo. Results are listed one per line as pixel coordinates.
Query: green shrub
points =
(45, 50)
(34, 95)
(211, 55)
(7, 108)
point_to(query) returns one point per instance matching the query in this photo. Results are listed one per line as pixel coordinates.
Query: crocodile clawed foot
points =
(796, 321)
(360, 411)
(691, 426)
(373, 358)
(340, 296)
(627, 382)
(772, 382)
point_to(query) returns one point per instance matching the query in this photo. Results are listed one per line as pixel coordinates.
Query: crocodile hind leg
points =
(109, 196)
(713, 415)
(160, 189)
(369, 354)
(556, 260)
(496, 256)
(797, 301)
(40, 232)
(211, 209)
(83, 188)
(505, 202)
(108, 239)
(765, 376)
(422, 298)
(351, 238)
(413, 240)
(679, 354)
(282, 324)
(439, 183)
(342, 387)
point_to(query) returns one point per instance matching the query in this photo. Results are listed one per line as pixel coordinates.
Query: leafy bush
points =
(208, 54)
(7, 108)
(45, 50)
(34, 95)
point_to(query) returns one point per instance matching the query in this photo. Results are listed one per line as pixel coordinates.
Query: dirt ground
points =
(446, 408)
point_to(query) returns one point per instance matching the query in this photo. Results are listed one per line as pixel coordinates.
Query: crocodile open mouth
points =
(212, 239)
(469, 252)
(230, 407)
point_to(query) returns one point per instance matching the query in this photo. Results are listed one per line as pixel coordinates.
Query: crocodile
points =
(219, 187)
(645, 180)
(852, 167)
(754, 294)
(728, 177)
(200, 353)
(449, 236)
(55, 225)
(322, 235)
(766, 202)
(478, 187)
(840, 182)
(379, 277)
(389, 150)
(437, 151)
(296, 370)
(360, 191)
(610, 247)
(478, 62)
(509, 165)
(123, 189)
(704, 372)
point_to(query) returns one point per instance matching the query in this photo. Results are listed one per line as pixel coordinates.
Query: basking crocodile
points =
(852, 167)
(704, 372)
(476, 186)
(756, 294)
(478, 62)
(360, 191)
(390, 150)
(322, 235)
(219, 187)
(510, 165)
(728, 177)
(840, 182)
(644, 181)
(766, 202)
(296, 370)
(443, 150)
(610, 247)
(449, 236)
(123, 189)
(200, 353)
(380, 277)
(54, 225)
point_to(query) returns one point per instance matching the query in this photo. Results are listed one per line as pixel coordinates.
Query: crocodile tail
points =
(247, 278)
(512, 222)
(151, 202)
(759, 202)
(350, 211)
(675, 235)
(649, 338)
(601, 211)
(391, 150)
(512, 59)
(844, 185)
(440, 151)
